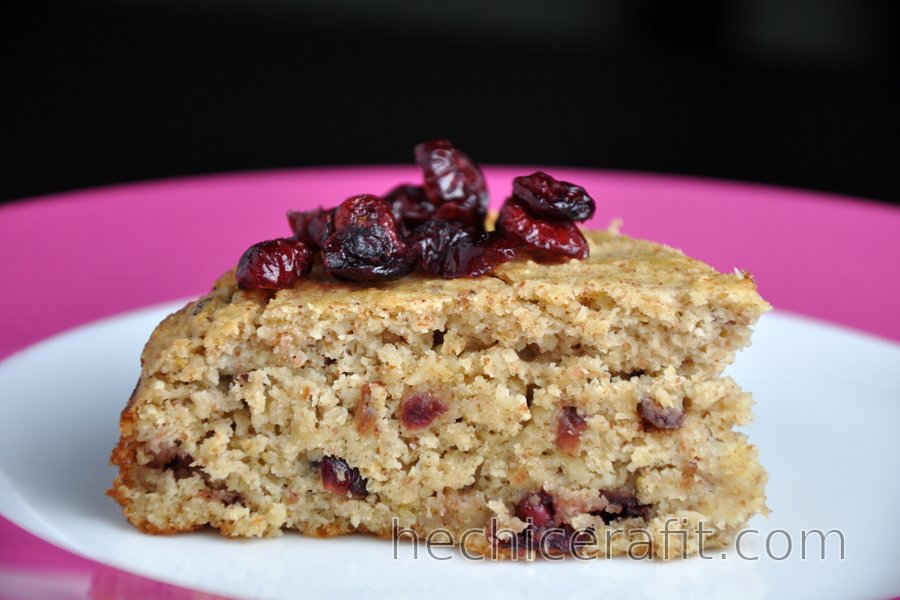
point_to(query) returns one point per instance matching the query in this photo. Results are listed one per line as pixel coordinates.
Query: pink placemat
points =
(76, 257)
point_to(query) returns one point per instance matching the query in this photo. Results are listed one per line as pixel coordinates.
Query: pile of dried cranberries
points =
(438, 227)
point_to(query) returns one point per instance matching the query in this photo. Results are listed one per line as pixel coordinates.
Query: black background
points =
(797, 93)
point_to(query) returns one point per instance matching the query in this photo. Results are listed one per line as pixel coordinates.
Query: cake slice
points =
(543, 403)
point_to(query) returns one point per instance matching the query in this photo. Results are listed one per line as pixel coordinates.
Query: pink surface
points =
(76, 257)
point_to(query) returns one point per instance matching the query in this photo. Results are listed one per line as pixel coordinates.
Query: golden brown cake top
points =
(632, 273)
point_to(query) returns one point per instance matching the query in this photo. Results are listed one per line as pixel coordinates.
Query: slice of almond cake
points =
(528, 397)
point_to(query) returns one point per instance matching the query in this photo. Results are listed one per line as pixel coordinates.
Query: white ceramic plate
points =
(828, 429)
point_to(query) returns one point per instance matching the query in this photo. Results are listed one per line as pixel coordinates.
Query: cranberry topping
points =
(439, 226)
(451, 211)
(475, 255)
(311, 227)
(536, 509)
(451, 176)
(274, 264)
(410, 205)
(365, 245)
(556, 237)
(656, 416)
(450, 249)
(419, 409)
(622, 504)
(569, 425)
(544, 196)
(362, 211)
(431, 241)
(366, 254)
(339, 478)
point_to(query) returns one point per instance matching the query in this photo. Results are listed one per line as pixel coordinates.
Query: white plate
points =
(828, 429)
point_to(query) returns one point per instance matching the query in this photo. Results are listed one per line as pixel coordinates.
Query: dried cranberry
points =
(543, 533)
(339, 478)
(274, 264)
(312, 226)
(569, 425)
(451, 176)
(656, 416)
(410, 205)
(370, 253)
(621, 504)
(537, 509)
(431, 241)
(544, 196)
(418, 410)
(365, 245)
(364, 210)
(556, 237)
(472, 256)
(451, 211)
(555, 541)
(297, 220)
